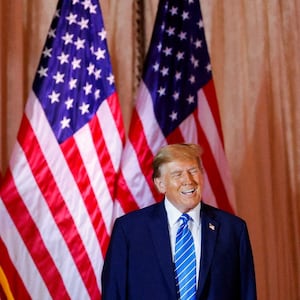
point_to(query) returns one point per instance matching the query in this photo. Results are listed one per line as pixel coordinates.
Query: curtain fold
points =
(255, 54)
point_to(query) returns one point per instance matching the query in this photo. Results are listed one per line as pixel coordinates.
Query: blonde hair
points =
(176, 151)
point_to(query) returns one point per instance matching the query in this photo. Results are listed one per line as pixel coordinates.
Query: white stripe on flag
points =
(133, 174)
(208, 124)
(22, 260)
(110, 134)
(144, 107)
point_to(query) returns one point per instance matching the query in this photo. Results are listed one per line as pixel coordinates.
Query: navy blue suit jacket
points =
(139, 266)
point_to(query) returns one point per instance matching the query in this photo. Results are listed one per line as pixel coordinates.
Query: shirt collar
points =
(174, 214)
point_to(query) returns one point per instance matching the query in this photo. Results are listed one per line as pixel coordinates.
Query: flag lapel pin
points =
(211, 226)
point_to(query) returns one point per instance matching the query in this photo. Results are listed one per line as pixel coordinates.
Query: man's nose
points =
(187, 177)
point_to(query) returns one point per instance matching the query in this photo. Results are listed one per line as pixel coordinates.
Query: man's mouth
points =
(188, 192)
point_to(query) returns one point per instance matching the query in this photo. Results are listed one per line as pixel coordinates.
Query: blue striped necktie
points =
(185, 261)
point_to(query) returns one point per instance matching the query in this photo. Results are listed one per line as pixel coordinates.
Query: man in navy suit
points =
(139, 263)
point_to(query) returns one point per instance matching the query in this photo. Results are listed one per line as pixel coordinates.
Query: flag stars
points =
(176, 96)
(79, 43)
(198, 44)
(100, 54)
(182, 36)
(178, 75)
(170, 31)
(68, 38)
(161, 91)
(173, 116)
(73, 83)
(156, 67)
(51, 33)
(63, 58)
(92, 9)
(84, 108)
(190, 99)
(180, 56)
(111, 79)
(208, 68)
(83, 23)
(87, 88)
(59, 77)
(192, 79)
(90, 68)
(76, 63)
(102, 34)
(97, 94)
(174, 11)
(164, 71)
(57, 15)
(54, 97)
(65, 122)
(185, 15)
(97, 74)
(69, 103)
(200, 24)
(47, 52)
(194, 62)
(167, 51)
(86, 4)
(43, 72)
(72, 67)
(71, 18)
(159, 47)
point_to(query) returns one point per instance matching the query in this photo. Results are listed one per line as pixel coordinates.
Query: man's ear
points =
(160, 185)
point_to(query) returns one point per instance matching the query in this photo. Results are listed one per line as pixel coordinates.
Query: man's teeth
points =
(188, 191)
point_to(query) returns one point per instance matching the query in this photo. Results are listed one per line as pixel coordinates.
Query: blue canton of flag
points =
(180, 63)
(74, 75)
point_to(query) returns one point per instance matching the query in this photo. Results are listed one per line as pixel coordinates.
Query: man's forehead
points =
(183, 164)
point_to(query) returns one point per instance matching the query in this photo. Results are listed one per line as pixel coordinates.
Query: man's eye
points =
(176, 175)
(194, 171)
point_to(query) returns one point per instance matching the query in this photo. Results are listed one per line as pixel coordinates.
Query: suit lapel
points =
(161, 240)
(210, 229)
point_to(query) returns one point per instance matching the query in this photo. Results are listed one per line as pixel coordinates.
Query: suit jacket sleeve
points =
(114, 269)
(248, 286)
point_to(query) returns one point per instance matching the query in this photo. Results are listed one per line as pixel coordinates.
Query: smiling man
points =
(179, 248)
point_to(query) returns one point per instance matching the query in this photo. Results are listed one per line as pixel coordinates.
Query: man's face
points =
(181, 181)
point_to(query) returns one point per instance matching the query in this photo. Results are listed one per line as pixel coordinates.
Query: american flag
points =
(57, 197)
(176, 102)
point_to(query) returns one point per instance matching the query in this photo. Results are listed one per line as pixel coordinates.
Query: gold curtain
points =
(255, 53)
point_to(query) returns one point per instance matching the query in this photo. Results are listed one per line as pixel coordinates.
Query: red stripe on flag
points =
(145, 157)
(212, 170)
(81, 177)
(114, 105)
(32, 239)
(210, 94)
(12, 276)
(175, 137)
(103, 155)
(125, 196)
(57, 206)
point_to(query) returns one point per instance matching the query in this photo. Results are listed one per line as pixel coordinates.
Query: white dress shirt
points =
(194, 225)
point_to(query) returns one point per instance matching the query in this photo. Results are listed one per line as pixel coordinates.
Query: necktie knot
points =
(184, 218)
